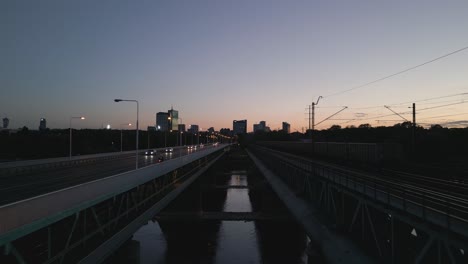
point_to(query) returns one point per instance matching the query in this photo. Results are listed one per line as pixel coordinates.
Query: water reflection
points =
(237, 199)
(176, 242)
(237, 243)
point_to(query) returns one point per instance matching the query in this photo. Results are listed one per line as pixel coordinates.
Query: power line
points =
(409, 102)
(398, 73)
(394, 113)
(463, 102)
(332, 115)
(429, 99)
(440, 102)
(424, 118)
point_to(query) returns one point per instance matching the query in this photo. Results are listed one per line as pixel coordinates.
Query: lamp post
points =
(158, 128)
(169, 124)
(148, 134)
(71, 118)
(180, 130)
(121, 134)
(136, 149)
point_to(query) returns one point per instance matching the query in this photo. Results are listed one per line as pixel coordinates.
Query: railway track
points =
(441, 196)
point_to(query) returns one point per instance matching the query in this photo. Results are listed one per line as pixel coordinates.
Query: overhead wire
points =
(413, 101)
(397, 73)
(432, 117)
(429, 99)
(439, 106)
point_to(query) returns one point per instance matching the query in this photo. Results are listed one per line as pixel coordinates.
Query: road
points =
(30, 184)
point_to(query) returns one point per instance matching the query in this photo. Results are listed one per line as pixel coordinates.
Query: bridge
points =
(80, 210)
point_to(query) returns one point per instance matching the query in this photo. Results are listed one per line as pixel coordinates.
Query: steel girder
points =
(389, 234)
(72, 238)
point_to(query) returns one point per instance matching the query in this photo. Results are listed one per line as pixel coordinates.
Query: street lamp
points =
(165, 132)
(148, 137)
(181, 132)
(136, 148)
(71, 118)
(129, 124)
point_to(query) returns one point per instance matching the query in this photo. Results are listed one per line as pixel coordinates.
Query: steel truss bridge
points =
(85, 223)
(393, 220)
(351, 216)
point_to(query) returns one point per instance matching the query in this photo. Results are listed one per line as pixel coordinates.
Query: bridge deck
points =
(224, 187)
(222, 216)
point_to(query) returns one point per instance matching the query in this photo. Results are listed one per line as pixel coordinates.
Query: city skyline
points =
(220, 61)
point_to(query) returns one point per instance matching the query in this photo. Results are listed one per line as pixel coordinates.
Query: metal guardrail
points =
(8, 168)
(31, 214)
(441, 209)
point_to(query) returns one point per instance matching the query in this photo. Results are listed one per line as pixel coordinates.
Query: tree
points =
(335, 127)
(435, 127)
(366, 126)
(406, 124)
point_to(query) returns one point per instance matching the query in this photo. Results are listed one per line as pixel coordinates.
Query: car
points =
(169, 149)
(150, 152)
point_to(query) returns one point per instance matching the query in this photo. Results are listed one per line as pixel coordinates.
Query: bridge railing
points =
(14, 167)
(445, 210)
(32, 214)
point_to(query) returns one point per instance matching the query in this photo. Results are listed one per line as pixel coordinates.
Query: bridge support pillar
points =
(313, 252)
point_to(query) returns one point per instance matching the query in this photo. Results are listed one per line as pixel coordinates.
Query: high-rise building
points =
(42, 124)
(173, 119)
(6, 121)
(286, 127)
(239, 126)
(260, 127)
(256, 128)
(181, 128)
(193, 129)
(162, 121)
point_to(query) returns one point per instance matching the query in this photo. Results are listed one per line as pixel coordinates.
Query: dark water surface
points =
(213, 241)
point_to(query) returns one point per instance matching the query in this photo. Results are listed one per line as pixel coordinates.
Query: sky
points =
(218, 61)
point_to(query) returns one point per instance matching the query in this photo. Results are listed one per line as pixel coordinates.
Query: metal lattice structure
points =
(395, 223)
(101, 225)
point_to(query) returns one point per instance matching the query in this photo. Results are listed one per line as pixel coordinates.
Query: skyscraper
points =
(239, 126)
(162, 121)
(173, 119)
(193, 129)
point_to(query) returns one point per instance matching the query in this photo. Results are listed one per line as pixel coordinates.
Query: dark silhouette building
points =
(173, 119)
(193, 129)
(162, 121)
(239, 126)
(286, 127)
(42, 124)
(6, 122)
(181, 127)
